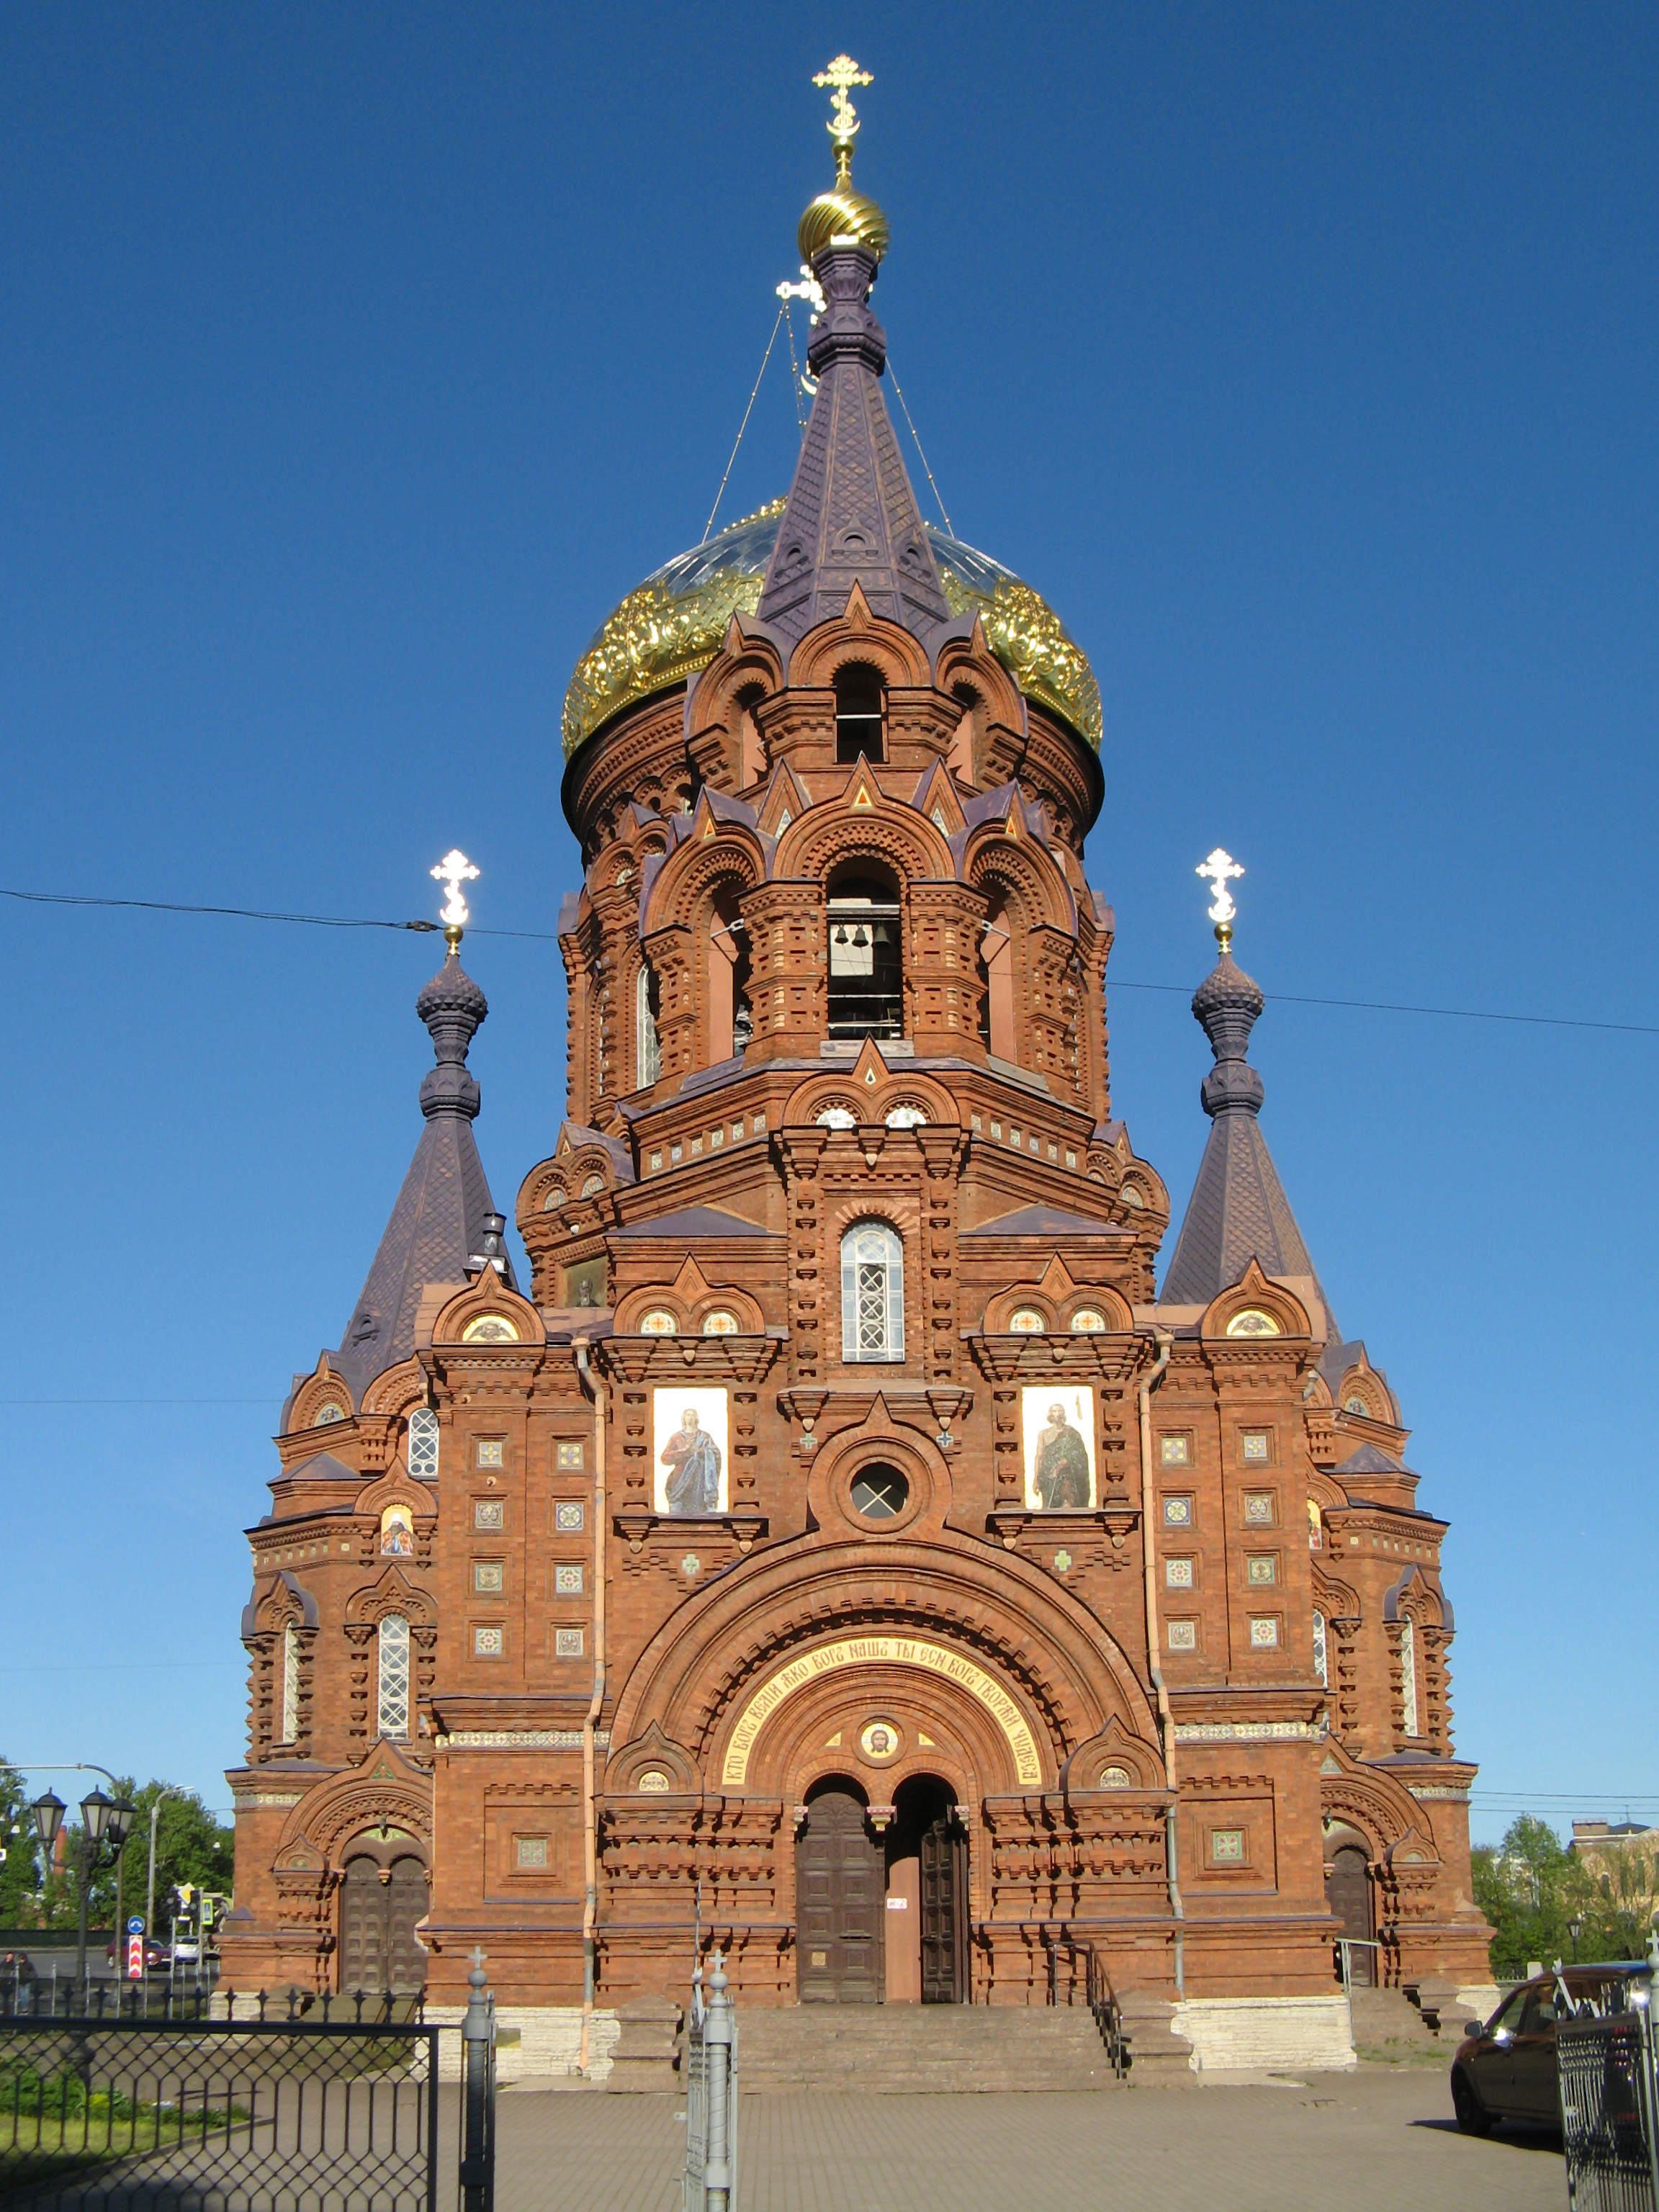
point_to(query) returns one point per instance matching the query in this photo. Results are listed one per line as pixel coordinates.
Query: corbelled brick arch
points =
(862, 824)
(696, 1677)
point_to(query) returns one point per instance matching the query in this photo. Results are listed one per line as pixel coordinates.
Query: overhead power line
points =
(551, 937)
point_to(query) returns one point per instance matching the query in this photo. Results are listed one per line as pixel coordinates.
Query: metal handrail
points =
(1100, 1995)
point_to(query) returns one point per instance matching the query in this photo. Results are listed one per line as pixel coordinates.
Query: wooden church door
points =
(840, 1898)
(1348, 1893)
(362, 1926)
(378, 1949)
(944, 1905)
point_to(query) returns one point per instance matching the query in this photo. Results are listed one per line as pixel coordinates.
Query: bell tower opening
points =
(866, 963)
(859, 716)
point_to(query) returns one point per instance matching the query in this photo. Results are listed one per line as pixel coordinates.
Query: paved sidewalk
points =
(1370, 2140)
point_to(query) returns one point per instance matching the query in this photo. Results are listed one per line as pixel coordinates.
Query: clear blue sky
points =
(355, 361)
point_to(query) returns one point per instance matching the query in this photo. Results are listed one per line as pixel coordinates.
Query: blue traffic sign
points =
(135, 1925)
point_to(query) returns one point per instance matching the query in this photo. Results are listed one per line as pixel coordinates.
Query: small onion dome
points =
(842, 217)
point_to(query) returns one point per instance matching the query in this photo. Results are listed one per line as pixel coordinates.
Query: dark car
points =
(1506, 2070)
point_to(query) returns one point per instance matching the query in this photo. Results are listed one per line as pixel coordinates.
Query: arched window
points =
(423, 1445)
(1407, 1678)
(394, 1675)
(1322, 1657)
(290, 1685)
(996, 957)
(858, 712)
(647, 1052)
(866, 966)
(871, 1292)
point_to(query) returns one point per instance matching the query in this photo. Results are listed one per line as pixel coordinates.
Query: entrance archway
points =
(839, 1898)
(1348, 1893)
(926, 1910)
(380, 1906)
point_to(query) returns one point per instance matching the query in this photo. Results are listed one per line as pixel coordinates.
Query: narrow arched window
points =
(423, 1445)
(859, 713)
(871, 1292)
(1407, 1678)
(1321, 1657)
(867, 963)
(394, 1675)
(647, 1052)
(290, 1685)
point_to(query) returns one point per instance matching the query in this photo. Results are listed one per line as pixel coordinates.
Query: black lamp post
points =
(1575, 1928)
(104, 1822)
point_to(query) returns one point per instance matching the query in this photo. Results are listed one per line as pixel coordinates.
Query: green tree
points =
(190, 1847)
(1532, 1888)
(20, 1869)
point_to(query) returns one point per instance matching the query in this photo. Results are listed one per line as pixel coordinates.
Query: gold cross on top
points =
(842, 73)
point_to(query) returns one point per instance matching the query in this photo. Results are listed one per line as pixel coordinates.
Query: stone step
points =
(921, 2049)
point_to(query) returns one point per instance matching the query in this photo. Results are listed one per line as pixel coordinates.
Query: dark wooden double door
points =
(379, 1910)
(840, 1889)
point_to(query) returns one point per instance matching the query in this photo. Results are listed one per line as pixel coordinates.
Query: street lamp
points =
(104, 1821)
(1575, 1928)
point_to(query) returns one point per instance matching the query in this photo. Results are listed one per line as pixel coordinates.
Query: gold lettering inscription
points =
(892, 1651)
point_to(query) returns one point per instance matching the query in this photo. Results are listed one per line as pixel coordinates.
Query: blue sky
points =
(355, 364)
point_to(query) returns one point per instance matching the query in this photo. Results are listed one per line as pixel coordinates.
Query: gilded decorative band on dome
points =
(675, 623)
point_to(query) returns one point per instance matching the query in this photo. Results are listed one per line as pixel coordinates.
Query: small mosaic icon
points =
(880, 1739)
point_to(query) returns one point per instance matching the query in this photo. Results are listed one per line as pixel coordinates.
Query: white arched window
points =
(290, 1685)
(1407, 1678)
(647, 1052)
(423, 1445)
(394, 1675)
(871, 1292)
(1321, 1657)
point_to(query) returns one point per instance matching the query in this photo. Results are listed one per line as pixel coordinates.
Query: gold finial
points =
(451, 872)
(843, 73)
(842, 217)
(1218, 871)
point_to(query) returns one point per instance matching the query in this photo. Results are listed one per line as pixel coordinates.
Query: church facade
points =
(840, 1549)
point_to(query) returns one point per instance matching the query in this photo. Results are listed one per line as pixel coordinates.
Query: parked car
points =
(1505, 2070)
(155, 1953)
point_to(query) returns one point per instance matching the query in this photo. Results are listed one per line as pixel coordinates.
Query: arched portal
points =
(840, 1896)
(1348, 1893)
(382, 1898)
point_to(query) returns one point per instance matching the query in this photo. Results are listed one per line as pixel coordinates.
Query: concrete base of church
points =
(535, 2043)
(1237, 2035)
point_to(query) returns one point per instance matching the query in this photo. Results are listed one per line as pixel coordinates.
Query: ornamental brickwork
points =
(837, 1548)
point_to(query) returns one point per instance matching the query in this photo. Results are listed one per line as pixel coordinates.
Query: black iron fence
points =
(301, 2104)
(1609, 2111)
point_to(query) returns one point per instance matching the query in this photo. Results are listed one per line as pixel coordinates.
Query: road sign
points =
(135, 1957)
(135, 1925)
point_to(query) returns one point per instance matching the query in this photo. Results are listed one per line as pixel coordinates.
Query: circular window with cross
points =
(880, 1493)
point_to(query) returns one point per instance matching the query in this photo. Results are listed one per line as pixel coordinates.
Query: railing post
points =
(717, 2044)
(478, 2092)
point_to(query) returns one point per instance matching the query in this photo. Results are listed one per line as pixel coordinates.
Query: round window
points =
(1088, 1320)
(1026, 1320)
(1115, 1777)
(720, 1323)
(879, 1492)
(658, 1322)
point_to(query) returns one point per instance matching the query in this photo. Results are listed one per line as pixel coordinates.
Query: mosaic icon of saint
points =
(1062, 1466)
(694, 1484)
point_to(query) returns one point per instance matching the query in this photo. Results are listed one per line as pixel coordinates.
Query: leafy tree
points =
(20, 1870)
(1532, 1887)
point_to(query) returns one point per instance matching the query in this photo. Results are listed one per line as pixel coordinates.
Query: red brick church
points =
(841, 1547)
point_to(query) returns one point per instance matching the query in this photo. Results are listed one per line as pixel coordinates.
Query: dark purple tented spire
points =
(441, 1217)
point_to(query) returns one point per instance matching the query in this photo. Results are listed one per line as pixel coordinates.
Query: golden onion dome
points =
(676, 621)
(842, 217)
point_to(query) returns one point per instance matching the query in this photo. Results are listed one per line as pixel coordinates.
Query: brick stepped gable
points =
(898, 2050)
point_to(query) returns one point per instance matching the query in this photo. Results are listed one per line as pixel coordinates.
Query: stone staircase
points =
(1388, 2024)
(898, 2050)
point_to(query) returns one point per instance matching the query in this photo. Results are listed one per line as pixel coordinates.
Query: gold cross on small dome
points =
(1218, 871)
(451, 872)
(843, 73)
